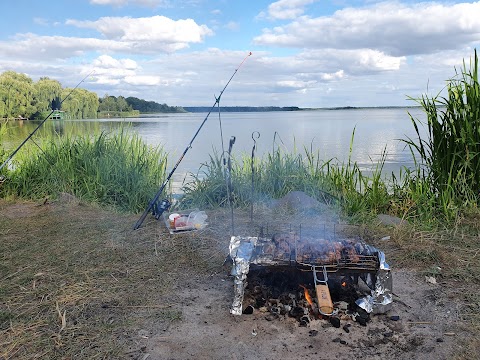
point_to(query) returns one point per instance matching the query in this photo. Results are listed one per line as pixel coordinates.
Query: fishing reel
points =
(158, 209)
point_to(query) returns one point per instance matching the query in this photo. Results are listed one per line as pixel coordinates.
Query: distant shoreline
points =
(198, 109)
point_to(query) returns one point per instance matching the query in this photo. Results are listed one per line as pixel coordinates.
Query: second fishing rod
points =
(158, 209)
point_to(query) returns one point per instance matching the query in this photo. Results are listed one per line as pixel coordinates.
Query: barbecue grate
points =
(339, 255)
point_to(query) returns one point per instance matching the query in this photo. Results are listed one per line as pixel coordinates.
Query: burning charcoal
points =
(285, 309)
(305, 318)
(296, 311)
(362, 317)
(335, 321)
(341, 305)
(439, 340)
(313, 332)
(248, 310)
(346, 328)
(275, 310)
(257, 290)
(343, 342)
(362, 321)
(336, 340)
(259, 302)
(303, 323)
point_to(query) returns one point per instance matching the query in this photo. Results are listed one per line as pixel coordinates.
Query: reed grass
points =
(449, 157)
(277, 173)
(116, 169)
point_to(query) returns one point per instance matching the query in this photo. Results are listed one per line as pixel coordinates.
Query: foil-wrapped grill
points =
(339, 254)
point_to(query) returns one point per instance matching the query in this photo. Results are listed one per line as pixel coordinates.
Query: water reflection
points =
(326, 131)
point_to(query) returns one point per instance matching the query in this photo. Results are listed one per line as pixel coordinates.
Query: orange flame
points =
(307, 296)
(344, 284)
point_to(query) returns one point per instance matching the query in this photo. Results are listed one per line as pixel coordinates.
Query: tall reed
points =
(279, 172)
(450, 154)
(112, 169)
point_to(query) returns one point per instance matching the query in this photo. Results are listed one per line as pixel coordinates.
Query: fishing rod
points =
(157, 210)
(42, 122)
(228, 179)
(255, 137)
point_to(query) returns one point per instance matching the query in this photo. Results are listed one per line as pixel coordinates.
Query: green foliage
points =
(47, 95)
(151, 106)
(20, 97)
(114, 104)
(449, 161)
(80, 103)
(110, 169)
(279, 172)
(16, 95)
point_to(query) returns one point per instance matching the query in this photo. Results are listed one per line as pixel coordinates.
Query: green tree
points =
(122, 104)
(16, 95)
(80, 104)
(47, 94)
(108, 103)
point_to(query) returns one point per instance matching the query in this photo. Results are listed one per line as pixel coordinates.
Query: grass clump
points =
(116, 169)
(448, 168)
(77, 282)
(277, 173)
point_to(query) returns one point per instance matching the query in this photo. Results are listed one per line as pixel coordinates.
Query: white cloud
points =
(40, 21)
(111, 71)
(149, 80)
(232, 25)
(152, 33)
(391, 27)
(108, 62)
(296, 84)
(118, 3)
(287, 9)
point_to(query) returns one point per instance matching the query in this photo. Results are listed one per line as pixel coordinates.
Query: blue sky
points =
(306, 53)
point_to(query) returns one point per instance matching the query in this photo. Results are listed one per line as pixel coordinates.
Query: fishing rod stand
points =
(159, 208)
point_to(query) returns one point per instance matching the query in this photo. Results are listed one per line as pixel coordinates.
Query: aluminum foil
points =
(241, 250)
(380, 300)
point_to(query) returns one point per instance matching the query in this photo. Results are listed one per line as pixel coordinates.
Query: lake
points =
(328, 131)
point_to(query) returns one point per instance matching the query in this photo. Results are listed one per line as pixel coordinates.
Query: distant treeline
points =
(243, 108)
(152, 107)
(22, 98)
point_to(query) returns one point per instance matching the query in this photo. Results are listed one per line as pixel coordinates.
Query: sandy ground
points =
(429, 325)
(427, 328)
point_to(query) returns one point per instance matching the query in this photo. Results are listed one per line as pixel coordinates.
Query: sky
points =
(305, 53)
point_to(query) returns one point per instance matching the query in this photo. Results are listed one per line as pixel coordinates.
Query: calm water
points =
(328, 131)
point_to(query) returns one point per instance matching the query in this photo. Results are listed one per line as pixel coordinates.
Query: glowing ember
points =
(344, 284)
(307, 296)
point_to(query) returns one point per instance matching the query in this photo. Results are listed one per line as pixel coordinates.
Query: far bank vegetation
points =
(22, 98)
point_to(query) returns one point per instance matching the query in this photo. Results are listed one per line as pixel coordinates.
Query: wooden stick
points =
(419, 322)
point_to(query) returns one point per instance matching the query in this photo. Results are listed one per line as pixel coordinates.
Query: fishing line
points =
(255, 137)
(157, 211)
(43, 121)
(221, 134)
(228, 179)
